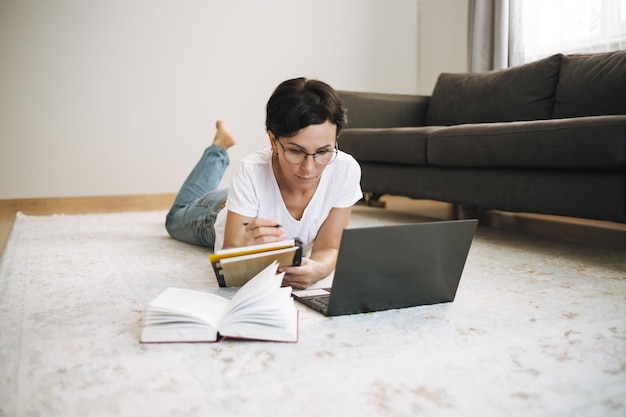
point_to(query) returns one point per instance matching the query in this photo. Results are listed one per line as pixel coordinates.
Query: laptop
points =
(394, 266)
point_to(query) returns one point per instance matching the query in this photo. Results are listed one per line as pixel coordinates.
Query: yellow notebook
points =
(235, 266)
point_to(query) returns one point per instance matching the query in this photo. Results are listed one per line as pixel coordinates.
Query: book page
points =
(274, 320)
(262, 310)
(183, 315)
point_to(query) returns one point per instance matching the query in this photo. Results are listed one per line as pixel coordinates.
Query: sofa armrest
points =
(383, 110)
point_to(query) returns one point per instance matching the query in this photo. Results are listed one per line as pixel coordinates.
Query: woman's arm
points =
(324, 254)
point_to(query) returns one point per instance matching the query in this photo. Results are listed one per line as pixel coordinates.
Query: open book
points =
(235, 266)
(260, 310)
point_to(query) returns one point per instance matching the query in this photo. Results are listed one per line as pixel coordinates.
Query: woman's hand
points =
(300, 277)
(259, 231)
(246, 231)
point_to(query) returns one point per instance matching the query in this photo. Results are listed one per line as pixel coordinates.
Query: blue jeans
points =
(192, 216)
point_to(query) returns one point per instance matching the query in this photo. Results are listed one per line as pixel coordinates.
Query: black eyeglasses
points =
(297, 156)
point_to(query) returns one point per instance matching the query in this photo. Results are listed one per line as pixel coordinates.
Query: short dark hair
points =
(300, 102)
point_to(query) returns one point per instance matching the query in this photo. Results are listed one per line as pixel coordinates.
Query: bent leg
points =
(204, 177)
(192, 216)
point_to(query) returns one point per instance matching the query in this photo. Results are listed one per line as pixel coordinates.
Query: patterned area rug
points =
(538, 327)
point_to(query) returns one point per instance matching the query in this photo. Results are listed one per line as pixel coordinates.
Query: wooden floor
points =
(596, 233)
(77, 205)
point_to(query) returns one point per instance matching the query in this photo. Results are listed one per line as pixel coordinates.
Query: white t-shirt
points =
(254, 192)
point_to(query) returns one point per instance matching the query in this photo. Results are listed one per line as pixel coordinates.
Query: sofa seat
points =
(551, 144)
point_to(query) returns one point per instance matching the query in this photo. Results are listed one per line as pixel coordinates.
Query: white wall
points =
(442, 40)
(120, 96)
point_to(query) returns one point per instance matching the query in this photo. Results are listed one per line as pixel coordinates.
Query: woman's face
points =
(313, 139)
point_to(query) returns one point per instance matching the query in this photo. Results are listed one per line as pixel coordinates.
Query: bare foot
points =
(223, 137)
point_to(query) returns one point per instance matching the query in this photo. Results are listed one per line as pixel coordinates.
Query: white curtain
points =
(504, 33)
(493, 29)
(572, 26)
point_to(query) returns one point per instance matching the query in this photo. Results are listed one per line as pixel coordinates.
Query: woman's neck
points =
(296, 199)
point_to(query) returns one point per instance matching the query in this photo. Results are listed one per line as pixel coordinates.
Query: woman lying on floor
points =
(302, 186)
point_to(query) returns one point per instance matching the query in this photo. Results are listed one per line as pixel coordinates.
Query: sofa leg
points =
(461, 212)
(373, 200)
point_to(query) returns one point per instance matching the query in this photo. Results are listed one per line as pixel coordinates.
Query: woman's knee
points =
(174, 226)
(195, 232)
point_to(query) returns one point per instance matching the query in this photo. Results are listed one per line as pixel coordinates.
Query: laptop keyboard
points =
(321, 301)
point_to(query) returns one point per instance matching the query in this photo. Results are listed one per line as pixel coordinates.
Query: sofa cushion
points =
(591, 85)
(585, 143)
(525, 92)
(395, 145)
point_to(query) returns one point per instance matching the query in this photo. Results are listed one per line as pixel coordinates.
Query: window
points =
(571, 26)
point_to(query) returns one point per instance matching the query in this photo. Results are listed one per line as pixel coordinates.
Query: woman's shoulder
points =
(345, 161)
(262, 156)
(257, 161)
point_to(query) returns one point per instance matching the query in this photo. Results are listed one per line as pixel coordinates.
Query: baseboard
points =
(92, 204)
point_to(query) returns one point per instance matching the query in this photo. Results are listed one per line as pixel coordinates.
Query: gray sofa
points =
(546, 137)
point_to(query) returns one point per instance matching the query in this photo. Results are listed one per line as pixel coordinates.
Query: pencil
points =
(246, 223)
